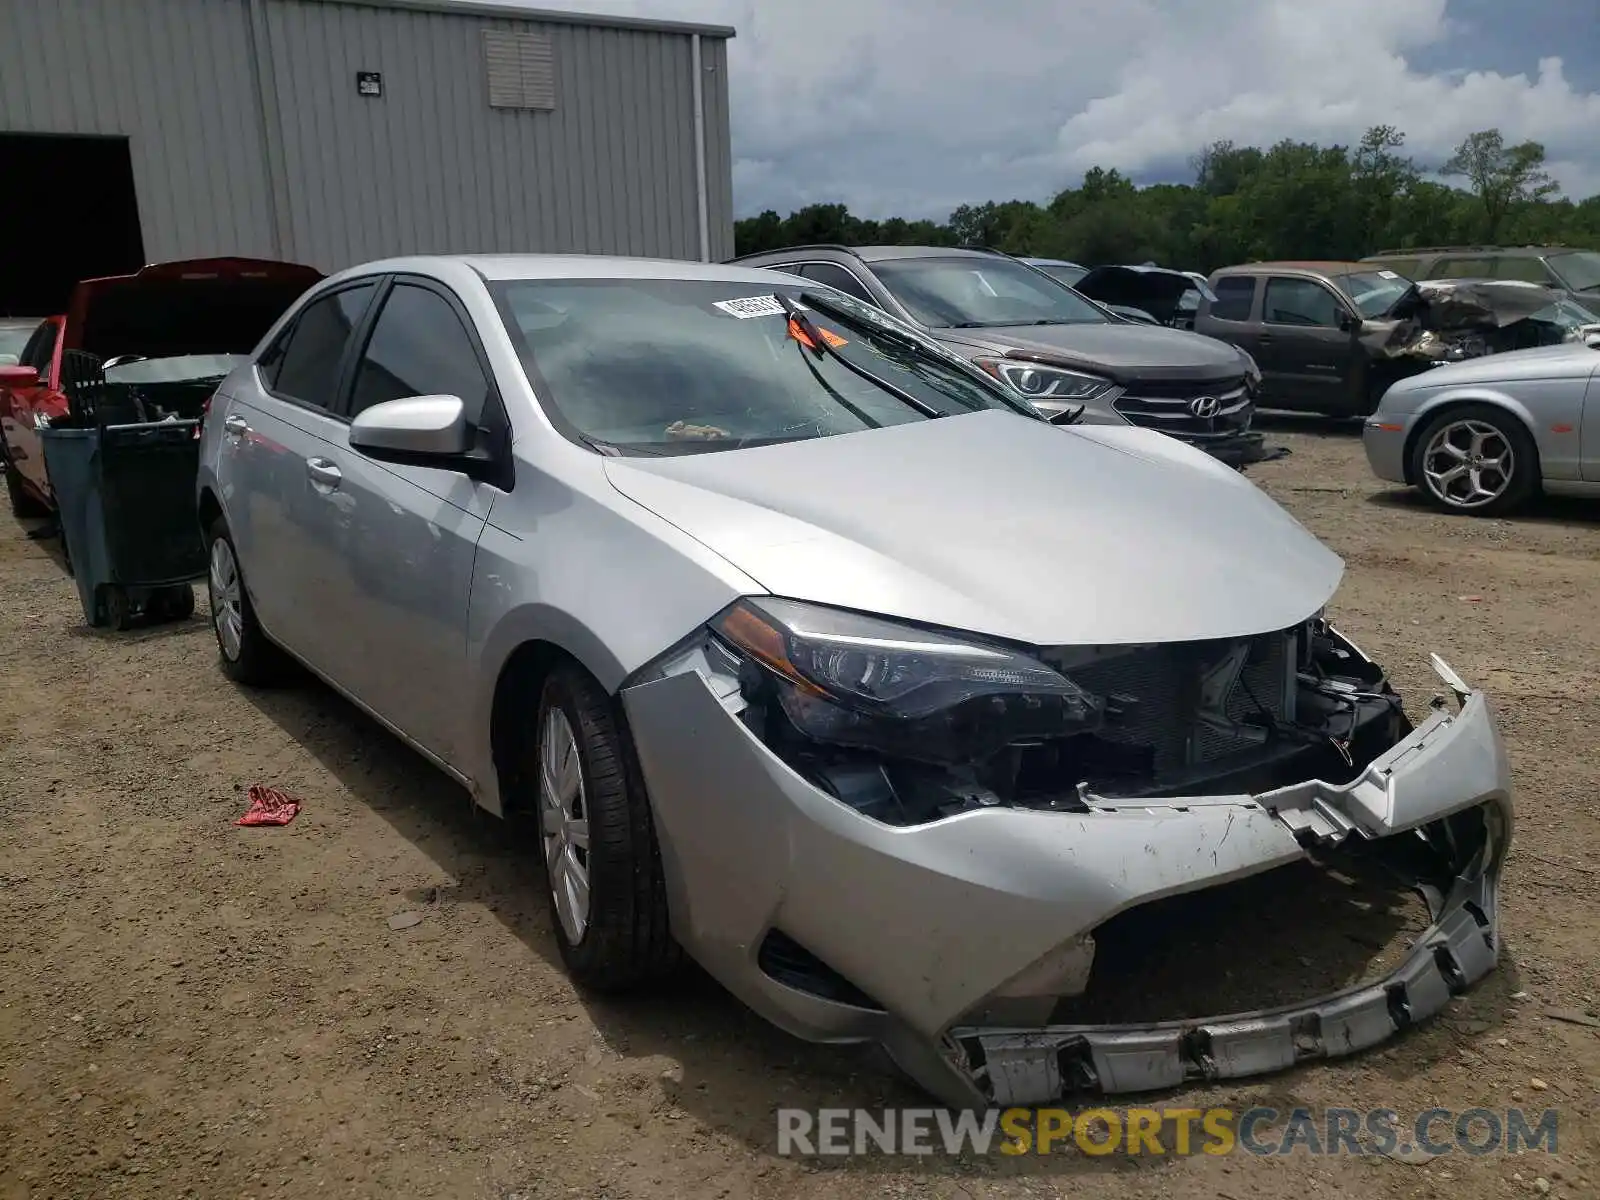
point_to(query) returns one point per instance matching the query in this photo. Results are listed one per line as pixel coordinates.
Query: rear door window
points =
(836, 276)
(1300, 302)
(1235, 295)
(303, 364)
(1527, 270)
(1463, 268)
(419, 347)
(1400, 266)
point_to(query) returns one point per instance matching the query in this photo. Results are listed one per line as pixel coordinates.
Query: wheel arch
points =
(208, 506)
(542, 642)
(1456, 400)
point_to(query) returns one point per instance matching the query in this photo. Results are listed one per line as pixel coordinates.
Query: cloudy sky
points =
(912, 107)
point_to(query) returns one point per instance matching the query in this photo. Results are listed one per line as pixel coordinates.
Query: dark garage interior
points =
(69, 210)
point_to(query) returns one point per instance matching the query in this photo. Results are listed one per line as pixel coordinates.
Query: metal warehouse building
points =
(335, 131)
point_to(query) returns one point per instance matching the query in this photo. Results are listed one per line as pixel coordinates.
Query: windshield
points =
(672, 366)
(1374, 292)
(1568, 314)
(971, 292)
(12, 340)
(1579, 270)
(1067, 273)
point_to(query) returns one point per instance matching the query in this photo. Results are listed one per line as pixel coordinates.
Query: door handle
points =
(235, 427)
(323, 474)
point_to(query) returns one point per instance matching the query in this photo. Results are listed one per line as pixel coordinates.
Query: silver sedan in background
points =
(1485, 435)
(814, 652)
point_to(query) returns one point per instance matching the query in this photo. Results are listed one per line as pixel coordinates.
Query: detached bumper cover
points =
(1020, 1067)
(932, 921)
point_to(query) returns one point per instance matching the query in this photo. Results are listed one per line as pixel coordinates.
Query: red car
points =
(203, 306)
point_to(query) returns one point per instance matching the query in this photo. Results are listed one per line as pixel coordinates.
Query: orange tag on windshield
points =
(799, 335)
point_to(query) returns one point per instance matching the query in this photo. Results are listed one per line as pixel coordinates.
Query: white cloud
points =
(911, 107)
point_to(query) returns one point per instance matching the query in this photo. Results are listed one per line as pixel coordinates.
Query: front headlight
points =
(1039, 382)
(1252, 372)
(853, 680)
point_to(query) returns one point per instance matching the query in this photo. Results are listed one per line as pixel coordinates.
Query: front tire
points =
(1475, 459)
(247, 655)
(602, 864)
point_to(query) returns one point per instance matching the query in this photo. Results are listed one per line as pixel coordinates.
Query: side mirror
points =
(417, 427)
(19, 377)
(1592, 341)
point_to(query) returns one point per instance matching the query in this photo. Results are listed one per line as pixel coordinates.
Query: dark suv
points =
(1058, 349)
(1560, 267)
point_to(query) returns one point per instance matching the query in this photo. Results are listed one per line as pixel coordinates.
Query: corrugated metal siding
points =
(428, 167)
(432, 168)
(719, 146)
(175, 78)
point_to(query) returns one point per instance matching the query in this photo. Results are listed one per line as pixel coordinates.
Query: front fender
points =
(568, 561)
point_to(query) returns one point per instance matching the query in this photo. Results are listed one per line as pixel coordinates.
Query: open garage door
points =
(67, 212)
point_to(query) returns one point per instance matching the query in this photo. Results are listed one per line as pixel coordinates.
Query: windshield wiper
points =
(822, 346)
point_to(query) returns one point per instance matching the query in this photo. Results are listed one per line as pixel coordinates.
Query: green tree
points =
(1291, 200)
(1503, 177)
(1380, 177)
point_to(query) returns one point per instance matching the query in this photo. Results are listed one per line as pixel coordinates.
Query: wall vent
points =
(521, 69)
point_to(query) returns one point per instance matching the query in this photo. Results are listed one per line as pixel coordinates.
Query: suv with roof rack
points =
(1061, 351)
(1565, 268)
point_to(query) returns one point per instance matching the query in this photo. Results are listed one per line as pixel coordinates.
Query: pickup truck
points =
(200, 306)
(1303, 323)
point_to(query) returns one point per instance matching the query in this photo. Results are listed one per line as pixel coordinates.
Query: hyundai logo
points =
(1205, 406)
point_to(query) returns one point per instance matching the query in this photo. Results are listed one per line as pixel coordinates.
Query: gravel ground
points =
(191, 1008)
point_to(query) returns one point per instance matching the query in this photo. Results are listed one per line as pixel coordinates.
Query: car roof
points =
(876, 253)
(1306, 266)
(1480, 251)
(501, 267)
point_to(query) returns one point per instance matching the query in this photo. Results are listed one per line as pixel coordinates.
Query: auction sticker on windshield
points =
(751, 306)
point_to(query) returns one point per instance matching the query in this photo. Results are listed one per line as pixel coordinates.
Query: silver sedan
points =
(813, 652)
(1483, 436)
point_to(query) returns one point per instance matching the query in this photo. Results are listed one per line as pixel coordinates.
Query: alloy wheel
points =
(564, 822)
(1469, 463)
(227, 608)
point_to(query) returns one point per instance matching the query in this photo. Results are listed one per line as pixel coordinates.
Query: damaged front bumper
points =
(839, 928)
(1238, 450)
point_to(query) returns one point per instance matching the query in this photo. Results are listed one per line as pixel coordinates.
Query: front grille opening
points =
(1168, 405)
(786, 961)
(1283, 937)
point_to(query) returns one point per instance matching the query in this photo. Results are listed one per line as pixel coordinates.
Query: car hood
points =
(1001, 525)
(1122, 351)
(1573, 360)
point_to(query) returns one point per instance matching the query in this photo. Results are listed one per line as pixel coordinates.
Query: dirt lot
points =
(190, 1008)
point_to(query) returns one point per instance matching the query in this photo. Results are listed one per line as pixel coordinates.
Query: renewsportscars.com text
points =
(1164, 1131)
